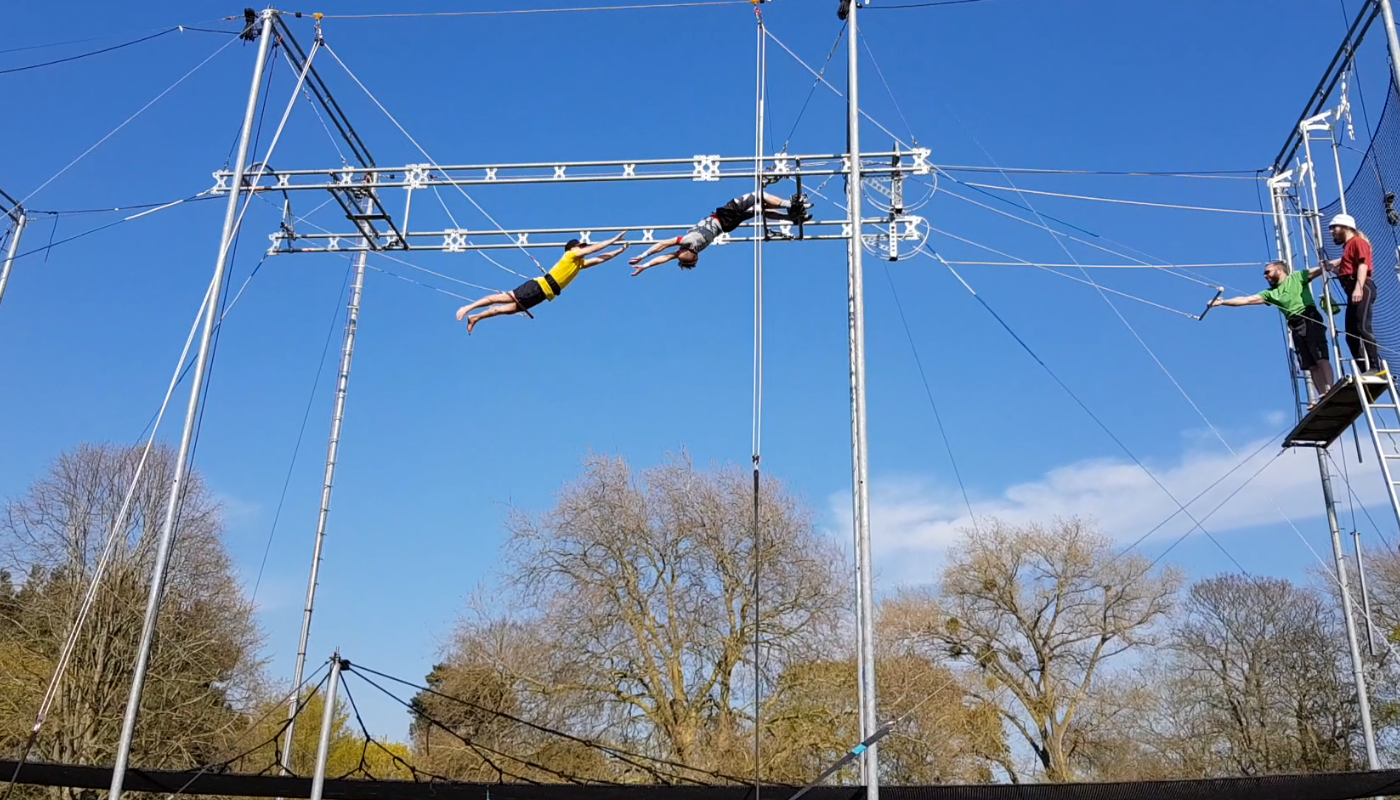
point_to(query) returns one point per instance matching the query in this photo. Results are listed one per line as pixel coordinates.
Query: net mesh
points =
(1377, 177)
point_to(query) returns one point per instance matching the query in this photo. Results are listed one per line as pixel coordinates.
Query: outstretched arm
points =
(653, 250)
(1314, 272)
(655, 262)
(593, 248)
(593, 262)
(1252, 300)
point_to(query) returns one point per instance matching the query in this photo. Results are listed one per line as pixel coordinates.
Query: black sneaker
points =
(797, 210)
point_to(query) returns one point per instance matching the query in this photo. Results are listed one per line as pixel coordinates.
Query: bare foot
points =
(471, 323)
(462, 312)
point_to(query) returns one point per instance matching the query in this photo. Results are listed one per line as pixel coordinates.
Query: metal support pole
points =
(1365, 593)
(859, 453)
(177, 484)
(342, 386)
(1391, 40)
(760, 92)
(323, 747)
(1358, 667)
(1316, 216)
(1341, 180)
(21, 218)
(1278, 194)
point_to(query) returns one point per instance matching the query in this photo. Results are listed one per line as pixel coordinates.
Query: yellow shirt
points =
(563, 273)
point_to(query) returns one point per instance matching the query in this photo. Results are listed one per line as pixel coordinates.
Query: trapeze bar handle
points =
(1219, 290)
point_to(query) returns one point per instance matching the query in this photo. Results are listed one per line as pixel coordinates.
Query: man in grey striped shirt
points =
(724, 219)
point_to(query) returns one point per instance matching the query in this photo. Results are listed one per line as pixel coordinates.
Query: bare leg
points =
(1322, 377)
(488, 300)
(509, 308)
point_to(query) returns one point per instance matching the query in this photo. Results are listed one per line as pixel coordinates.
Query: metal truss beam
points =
(695, 168)
(461, 241)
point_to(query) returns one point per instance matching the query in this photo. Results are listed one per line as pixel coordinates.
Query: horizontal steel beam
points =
(696, 168)
(461, 241)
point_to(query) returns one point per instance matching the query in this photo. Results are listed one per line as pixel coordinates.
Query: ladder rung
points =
(1388, 430)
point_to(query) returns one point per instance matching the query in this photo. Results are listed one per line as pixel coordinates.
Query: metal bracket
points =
(921, 164)
(901, 229)
(1319, 122)
(417, 175)
(707, 168)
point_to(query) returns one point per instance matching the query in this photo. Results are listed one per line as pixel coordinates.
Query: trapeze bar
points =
(460, 241)
(1335, 412)
(696, 168)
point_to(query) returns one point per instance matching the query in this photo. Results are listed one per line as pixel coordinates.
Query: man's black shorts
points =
(736, 212)
(1309, 337)
(528, 295)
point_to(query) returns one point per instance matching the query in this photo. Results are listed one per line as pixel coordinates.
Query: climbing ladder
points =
(1383, 420)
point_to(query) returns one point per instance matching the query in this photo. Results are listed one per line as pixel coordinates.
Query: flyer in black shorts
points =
(529, 294)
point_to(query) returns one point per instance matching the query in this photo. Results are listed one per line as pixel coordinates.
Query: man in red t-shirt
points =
(1354, 269)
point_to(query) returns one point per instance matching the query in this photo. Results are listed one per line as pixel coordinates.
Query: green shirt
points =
(1292, 295)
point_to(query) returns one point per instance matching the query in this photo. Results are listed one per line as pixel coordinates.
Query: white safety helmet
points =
(1344, 220)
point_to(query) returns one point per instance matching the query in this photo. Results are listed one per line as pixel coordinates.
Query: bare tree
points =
(629, 625)
(647, 585)
(1038, 611)
(203, 666)
(1259, 681)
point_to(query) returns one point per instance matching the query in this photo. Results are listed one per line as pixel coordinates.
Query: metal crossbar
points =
(696, 168)
(462, 240)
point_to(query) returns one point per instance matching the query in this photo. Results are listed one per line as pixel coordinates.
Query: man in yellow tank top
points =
(546, 287)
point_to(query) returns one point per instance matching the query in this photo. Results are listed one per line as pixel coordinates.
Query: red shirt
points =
(1356, 252)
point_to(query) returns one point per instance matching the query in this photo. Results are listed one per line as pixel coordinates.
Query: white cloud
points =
(237, 510)
(914, 519)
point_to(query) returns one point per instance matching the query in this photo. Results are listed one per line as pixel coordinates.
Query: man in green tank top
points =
(1292, 294)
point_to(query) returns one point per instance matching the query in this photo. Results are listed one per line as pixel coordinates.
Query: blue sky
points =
(443, 433)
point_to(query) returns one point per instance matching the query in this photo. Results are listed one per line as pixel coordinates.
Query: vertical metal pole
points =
(1393, 42)
(1277, 196)
(21, 218)
(323, 747)
(1341, 181)
(177, 484)
(1280, 208)
(1365, 593)
(1358, 667)
(342, 386)
(859, 454)
(1318, 245)
(760, 91)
